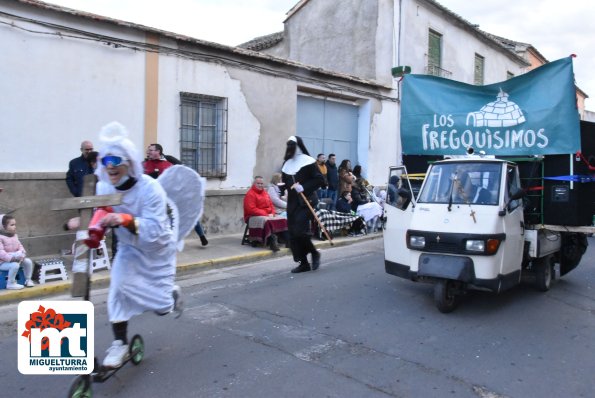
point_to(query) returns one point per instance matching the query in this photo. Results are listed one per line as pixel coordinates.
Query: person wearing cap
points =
(302, 178)
(144, 268)
(78, 168)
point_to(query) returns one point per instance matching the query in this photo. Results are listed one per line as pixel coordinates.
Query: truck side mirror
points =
(515, 193)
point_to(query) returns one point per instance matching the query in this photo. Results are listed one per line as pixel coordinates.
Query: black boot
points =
(303, 267)
(203, 240)
(315, 260)
(274, 243)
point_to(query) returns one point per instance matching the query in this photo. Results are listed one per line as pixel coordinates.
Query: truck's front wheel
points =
(445, 296)
(544, 269)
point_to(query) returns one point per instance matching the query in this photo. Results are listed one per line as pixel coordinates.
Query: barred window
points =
(203, 134)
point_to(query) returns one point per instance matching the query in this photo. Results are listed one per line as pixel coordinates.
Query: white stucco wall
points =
(57, 92)
(458, 46)
(182, 75)
(384, 142)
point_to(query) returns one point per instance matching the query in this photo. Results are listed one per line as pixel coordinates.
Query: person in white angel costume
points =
(150, 223)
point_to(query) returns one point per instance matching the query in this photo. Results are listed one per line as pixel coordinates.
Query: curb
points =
(102, 280)
(261, 254)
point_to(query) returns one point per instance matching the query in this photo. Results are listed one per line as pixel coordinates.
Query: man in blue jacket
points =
(78, 168)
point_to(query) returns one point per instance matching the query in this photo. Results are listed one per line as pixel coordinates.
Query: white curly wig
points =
(114, 140)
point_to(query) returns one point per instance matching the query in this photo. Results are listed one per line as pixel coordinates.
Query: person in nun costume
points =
(143, 270)
(301, 175)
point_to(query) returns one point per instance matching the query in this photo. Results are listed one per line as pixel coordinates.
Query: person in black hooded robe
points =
(301, 175)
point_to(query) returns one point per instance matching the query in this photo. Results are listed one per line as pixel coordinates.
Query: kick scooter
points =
(81, 386)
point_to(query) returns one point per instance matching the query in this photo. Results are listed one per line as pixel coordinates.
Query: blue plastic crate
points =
(4, 277)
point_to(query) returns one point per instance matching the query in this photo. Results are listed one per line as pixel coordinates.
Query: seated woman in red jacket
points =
(257, 202)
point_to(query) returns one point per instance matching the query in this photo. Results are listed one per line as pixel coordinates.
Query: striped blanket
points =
(334, 221)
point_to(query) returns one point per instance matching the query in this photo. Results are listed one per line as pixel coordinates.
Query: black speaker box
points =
(562, 205)
(565, 203)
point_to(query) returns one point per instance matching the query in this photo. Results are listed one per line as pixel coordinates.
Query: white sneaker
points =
(29, 283)
(116, 354)
(13, 286)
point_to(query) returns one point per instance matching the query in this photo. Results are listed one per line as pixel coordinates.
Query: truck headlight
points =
(473, 245)
(418, 242)
(488, 247)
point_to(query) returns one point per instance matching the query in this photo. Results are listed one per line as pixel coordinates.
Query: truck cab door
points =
(398, 208)
(514, 225)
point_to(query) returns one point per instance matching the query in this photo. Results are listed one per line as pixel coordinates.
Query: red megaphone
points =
(96, 231)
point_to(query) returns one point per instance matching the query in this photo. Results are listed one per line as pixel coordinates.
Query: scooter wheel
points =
(137, 349)
(445, 296)
(80, 388)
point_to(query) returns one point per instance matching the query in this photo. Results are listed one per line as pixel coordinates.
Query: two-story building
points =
(373, 38)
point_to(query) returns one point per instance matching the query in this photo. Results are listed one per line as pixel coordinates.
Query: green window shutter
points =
(434, 49)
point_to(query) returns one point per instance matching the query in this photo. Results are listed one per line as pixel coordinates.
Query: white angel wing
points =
(185, 188)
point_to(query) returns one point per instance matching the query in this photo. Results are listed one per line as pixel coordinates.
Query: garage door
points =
(328, 126)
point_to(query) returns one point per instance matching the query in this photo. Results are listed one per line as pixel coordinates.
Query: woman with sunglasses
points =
(143, 270)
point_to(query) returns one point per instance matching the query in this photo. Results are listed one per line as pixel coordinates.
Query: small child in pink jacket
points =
(12, 255)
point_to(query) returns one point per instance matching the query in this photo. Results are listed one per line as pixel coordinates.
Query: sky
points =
(555, 28)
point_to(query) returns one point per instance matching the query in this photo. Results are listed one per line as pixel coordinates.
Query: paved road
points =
(347, 330)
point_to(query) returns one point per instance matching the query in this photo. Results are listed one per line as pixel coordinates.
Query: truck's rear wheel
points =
(544, 270)
(445, 296)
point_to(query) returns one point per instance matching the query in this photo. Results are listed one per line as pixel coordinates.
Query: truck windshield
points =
(462, 183)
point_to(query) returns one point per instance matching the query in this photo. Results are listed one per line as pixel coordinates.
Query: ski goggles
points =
(113, 160)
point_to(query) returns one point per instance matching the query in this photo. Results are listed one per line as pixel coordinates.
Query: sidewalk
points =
(221, 251)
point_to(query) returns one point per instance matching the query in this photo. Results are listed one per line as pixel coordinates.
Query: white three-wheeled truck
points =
(465, 229)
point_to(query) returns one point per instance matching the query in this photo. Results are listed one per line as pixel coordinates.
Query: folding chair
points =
(245, 240)
(246, 237)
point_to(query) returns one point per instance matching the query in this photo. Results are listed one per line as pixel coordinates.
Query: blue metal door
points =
(328, 127)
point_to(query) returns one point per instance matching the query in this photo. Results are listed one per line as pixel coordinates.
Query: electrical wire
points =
(115, 42)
